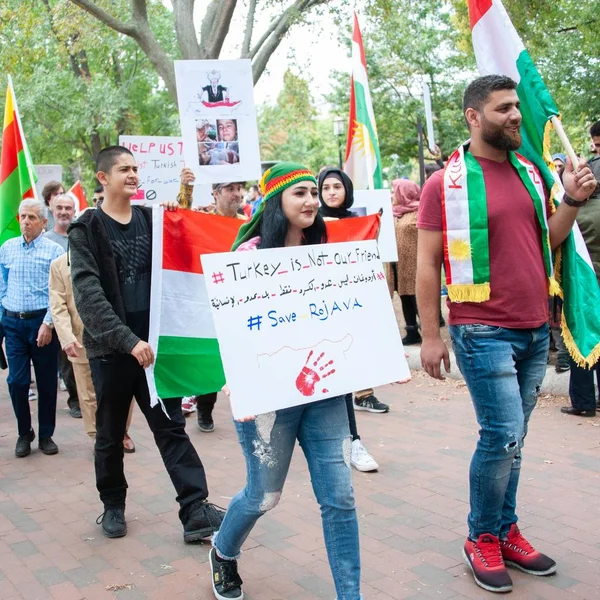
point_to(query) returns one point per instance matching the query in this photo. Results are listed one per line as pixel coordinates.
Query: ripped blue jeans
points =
(503, 369)
(268, 444)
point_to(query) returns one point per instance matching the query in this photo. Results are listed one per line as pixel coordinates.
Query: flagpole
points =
(558, 127)
(30, 167)
(421, 153)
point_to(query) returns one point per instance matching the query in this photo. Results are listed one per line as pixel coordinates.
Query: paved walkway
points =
(411, 513)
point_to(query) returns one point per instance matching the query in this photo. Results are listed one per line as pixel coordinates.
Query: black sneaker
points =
(226, 582)
(562, 367)
(412, 336)
(371, 404)
(75, 412)
(23, 447)
(206, 423)
(200, 520)
(113, 521)
(47, 446)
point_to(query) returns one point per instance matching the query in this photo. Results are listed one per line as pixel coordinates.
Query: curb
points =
(554, 383)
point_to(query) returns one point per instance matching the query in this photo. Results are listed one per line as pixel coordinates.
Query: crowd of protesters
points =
(75, 302)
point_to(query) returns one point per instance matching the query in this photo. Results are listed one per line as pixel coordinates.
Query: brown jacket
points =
(67, 323)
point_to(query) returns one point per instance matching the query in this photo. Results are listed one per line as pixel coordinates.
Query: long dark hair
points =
(274, 227)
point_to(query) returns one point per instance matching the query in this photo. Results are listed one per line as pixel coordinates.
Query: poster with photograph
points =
(159, 161)
(218, 119)
(370, 202)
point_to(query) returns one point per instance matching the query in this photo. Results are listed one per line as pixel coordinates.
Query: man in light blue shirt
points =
(27, 323)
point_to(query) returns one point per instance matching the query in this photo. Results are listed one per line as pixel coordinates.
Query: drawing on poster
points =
(316, 363)
(218, 119)
(215, 95)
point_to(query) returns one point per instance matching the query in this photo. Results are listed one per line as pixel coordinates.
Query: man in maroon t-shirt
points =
(501, 345)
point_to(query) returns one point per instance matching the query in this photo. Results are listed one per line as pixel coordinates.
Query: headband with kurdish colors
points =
(275, 180)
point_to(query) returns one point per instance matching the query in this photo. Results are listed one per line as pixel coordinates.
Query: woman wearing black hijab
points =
(336, 194)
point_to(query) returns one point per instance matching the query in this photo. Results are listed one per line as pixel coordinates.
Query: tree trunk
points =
(213, 32)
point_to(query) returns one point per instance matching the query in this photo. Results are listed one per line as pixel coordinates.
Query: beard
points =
(497, 137)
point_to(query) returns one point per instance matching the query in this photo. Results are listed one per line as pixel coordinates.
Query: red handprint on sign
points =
(312, 374)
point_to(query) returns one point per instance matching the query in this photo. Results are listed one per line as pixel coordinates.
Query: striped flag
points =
(17, 173)
(78, 195)
(499, 50)
(182, 332)
(363, 160)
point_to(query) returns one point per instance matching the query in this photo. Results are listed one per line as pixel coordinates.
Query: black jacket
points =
(96, 286)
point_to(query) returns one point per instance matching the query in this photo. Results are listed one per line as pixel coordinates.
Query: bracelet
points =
(569, 202)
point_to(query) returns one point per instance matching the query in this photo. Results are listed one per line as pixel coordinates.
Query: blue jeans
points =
(503, 369)
(268, 444)
(21, 350)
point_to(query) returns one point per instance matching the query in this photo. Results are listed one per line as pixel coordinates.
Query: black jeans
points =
(409, 310)
(581, 386)
(117, 378)
(205, 404)
(66, 370)
(21, 350)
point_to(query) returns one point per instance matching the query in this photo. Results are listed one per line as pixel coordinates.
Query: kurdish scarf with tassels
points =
(465, 224)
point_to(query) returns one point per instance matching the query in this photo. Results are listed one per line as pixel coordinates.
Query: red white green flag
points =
(17, 173)
(78, 195)
(363, 160)
(182, 333)
(499, 50)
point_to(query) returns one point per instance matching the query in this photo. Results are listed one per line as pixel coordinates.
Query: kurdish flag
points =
(363, 160)
(499, 50)
(182, 332)
(17, 173)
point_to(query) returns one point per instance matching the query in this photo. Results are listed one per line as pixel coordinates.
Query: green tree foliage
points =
(79, 85)
(407, 42)
(290, 129)
(562, 38)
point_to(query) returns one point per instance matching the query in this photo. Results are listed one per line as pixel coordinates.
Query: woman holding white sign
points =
(289, 216)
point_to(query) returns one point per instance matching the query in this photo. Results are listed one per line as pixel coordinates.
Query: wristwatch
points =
(569, 202)
(51, 324)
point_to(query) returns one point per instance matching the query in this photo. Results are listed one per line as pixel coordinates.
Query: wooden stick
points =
(565, 142)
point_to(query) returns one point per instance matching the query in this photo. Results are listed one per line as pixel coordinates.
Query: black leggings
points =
(351, 417)
(409, 309)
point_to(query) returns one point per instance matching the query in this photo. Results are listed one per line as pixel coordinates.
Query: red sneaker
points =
(518, 552)
(485, 559)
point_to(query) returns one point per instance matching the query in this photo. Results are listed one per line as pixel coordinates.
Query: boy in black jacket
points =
(111, 259)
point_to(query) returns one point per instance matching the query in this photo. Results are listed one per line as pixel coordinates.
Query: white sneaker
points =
(188, 405)
(61, 386)
(32, 394)
(360, 459)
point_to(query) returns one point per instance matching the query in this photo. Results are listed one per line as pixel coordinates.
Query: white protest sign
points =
(46, 174)
(218, 119)
(301, 324)
(159, 161)
(370, 202)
